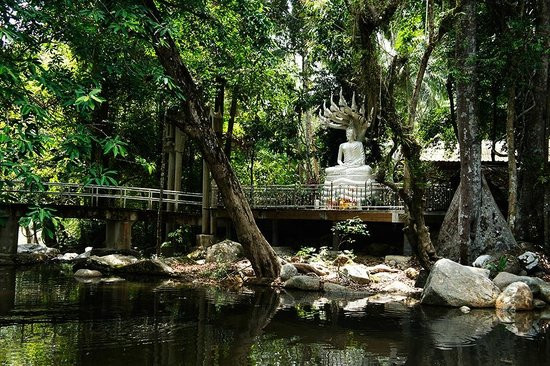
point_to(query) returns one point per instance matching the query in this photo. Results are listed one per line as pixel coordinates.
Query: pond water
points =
(49, 318)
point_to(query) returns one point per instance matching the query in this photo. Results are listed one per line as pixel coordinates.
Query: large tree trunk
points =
(231, 123)
(533, 154)
(468, 129)
(193, 118)
(512, 167)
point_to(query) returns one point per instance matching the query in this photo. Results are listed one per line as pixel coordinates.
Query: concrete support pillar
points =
(9, 232)
(118, 234)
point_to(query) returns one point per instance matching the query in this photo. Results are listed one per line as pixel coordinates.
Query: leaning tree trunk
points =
(468, 130)
(193, 118)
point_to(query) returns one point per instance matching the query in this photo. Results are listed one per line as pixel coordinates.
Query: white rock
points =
(452, 284)
(465, 309)
(357, 272)
(482, 260)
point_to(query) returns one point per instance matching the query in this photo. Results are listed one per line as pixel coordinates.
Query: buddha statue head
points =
(351, 134)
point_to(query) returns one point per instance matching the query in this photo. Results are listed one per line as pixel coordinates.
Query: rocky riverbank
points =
(331, 273)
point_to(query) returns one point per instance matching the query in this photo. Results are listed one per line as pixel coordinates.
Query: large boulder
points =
(115, 260)
(148, 267)
(226, 251)
(517, 296)
(358, 273)
(537, 285)
(503, 279)
(87, 273)
(452, 284)
(106, 264)
(493, 233)
(288, 271)
(305, 283)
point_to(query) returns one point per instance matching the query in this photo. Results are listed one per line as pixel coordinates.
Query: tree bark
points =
(468, 128)
(231, 123)
(533, 156)
(161, 183)
(193, 118)
(512, 167)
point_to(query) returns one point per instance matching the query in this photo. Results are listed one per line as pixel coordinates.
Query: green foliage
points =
(179, 240)
(219, 273)
(99, 176)
(40, 218)
(498, 265)
(350, 230)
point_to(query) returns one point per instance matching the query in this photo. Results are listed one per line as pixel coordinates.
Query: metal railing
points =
(371, 196)
(90, 195)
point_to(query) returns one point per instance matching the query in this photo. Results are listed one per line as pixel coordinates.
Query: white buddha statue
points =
(351, 168)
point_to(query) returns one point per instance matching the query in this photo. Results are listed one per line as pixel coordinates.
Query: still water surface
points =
(49, 318)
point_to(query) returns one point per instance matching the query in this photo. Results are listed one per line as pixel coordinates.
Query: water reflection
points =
(48, 318)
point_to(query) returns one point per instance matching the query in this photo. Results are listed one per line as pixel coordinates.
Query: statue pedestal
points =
(347, 188)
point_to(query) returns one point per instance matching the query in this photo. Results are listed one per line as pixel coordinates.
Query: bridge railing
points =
(371, 196)
(90, 195)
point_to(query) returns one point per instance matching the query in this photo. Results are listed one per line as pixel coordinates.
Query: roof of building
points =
(437, 151)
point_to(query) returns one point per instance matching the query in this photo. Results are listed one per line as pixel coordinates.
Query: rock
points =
(452, 284)
(529, 261)
(493, 234)
(482, 261)
(412, 273)
(503, 279)
(305, 283)
(106, 264)
(115, 260)
(288, 271)
(28, 250)
(102, 252)
(544, 290)
(357, 273)
(87, 273)
(465, 309)
(539, 304)
(31, 248)
(381, 268)
(399, 261)
(149, 267)
(516, 296)
(87, 253)
(399, 288)
(197, 254)
(31, 258)
(538, 287)
(67, 257)
(226, 251)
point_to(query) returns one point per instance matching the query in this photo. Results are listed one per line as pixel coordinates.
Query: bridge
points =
(120, 206)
